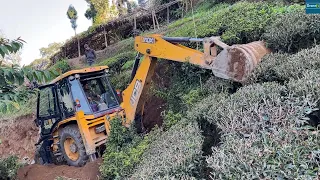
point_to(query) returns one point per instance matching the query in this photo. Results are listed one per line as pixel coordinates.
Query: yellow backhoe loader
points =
(74, 110)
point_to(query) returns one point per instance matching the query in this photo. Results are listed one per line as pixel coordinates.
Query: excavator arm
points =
(233, 62)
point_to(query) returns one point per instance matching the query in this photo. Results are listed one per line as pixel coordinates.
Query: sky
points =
(39, 23)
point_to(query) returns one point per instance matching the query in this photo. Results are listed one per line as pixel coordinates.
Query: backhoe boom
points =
(234, 62)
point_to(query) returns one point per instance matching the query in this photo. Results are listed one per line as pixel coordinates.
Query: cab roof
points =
(79, 71)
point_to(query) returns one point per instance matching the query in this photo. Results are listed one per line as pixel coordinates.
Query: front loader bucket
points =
(238, 61)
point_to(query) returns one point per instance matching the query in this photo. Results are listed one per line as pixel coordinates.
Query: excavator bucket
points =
(237, 62)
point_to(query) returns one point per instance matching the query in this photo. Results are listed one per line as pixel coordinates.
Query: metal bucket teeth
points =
(238, 61)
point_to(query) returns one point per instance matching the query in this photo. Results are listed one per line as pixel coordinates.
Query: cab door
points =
(48, 112)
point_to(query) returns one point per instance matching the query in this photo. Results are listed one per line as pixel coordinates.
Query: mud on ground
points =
(51, 172)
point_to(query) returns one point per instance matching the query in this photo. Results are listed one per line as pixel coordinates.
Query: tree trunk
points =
(105, 36)
(75, 33)
(153, 19)
(168, 15)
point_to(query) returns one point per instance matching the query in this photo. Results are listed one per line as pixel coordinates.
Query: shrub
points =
(121, 81)
(128, 65)
(293, 32)
(117, 62)
(218, 85)
(61, 66)
(170, 118)
(280, 67)
(264, 132)
(123, 151)
(9, 167)
(173, 154)
(242, 22)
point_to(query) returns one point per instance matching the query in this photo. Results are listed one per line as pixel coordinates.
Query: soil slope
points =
(18, 137)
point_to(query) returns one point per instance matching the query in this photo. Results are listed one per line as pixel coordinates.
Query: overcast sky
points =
(39, 23)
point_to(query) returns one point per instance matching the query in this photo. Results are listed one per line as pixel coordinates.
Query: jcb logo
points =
(148, 40)
(135, 92)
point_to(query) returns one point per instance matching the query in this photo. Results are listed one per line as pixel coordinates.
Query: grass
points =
(26, 108)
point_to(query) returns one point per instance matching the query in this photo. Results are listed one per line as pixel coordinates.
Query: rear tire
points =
(72, 146)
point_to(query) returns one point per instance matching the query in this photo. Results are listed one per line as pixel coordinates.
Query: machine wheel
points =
(72, 146)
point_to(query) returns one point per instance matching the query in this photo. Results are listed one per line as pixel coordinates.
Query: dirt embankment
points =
(37, 172)
(18, 137)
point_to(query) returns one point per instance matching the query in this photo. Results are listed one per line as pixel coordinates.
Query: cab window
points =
(65, 99)
(99, 94)
(48, 112)
(78, 95)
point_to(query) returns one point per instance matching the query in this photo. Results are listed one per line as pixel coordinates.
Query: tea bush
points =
(265, 132)
(61, 66)
(293, 32)
(117, 62)
(9, 167)
(242, 22)
(280, 67)
(121, 81)
(123, 151)
(173, 154)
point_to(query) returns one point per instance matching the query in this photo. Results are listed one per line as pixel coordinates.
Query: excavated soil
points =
(37, 172)
(18, 137)
(152, 113)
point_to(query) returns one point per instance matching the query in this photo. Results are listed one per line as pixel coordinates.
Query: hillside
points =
(210, 128)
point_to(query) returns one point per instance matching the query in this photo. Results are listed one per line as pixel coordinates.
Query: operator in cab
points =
(91, 96)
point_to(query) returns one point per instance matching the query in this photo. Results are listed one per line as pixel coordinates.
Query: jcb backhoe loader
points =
(74, 111)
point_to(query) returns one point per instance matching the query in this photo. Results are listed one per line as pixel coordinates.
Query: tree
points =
(12, 77)
(11, 57)
(46, 53)
(53, 48)
(91, 13)
(73, 16)
(101, 11)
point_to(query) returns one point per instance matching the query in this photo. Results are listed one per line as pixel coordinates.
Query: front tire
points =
(72, 146)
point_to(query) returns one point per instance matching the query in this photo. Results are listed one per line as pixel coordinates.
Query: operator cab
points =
(93, 93)
(86, 90)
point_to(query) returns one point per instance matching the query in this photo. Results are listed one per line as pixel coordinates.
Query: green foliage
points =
(100, 11)
(265, 132)
(10, 46)
(12, 79)
(242, 22)
(128, 65)
(9, 167)
(123, 152)
(280, 67)
(293, 32)
(121, 81)
(73, 16)
(170, 119)
(183, 77)
(46, 53)
(174, 154)
(205, 9)
(61, 66)
(117, 62)
(27, 101)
